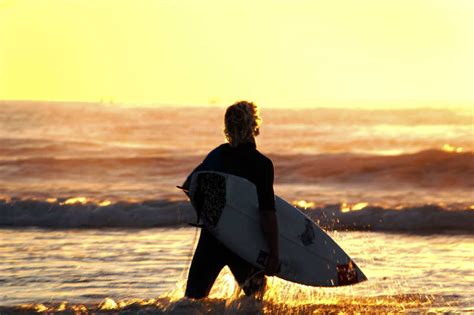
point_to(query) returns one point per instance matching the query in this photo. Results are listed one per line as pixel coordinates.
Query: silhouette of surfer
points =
(240, 157)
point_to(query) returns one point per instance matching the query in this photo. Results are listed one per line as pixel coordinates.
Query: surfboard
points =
(227, 206)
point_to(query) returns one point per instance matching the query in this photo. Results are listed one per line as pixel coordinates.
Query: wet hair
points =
(242, 123)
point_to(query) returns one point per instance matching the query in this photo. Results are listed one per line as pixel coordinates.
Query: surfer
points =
(240, 157)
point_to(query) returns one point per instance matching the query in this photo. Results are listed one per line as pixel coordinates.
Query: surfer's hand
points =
(273, 265)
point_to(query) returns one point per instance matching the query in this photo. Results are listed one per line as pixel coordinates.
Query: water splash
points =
(297, 302)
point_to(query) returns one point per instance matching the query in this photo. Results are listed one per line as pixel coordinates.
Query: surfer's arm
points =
(268, 218)
(269, 226)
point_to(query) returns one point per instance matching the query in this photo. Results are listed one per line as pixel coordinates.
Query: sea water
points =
(91, 219)
(98, 269)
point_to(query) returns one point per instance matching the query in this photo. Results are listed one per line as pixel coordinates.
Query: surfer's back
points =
(244, 160)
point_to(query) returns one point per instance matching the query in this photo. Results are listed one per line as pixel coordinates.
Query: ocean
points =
(91, 220)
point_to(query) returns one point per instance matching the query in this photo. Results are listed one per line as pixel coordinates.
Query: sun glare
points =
(304, 204)
(452, 149)
(71, 201)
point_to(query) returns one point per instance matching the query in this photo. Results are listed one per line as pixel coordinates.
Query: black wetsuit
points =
(211, 255)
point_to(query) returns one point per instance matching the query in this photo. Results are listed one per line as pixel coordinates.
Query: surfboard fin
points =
(182, 188)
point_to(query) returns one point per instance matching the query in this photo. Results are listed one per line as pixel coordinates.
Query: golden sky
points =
(278, 53)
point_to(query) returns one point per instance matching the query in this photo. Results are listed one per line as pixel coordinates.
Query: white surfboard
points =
(228, 208)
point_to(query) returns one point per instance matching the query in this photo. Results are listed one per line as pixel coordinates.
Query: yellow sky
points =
(277, 53)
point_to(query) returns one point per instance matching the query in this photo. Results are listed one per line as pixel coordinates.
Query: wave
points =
(429, 168)
(66, 213)
(421, 219)
(426, 169)
(70, 213)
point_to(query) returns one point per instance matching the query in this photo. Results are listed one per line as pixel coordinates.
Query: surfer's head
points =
(242, 123)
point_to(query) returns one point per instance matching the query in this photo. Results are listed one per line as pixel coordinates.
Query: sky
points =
(279, 53)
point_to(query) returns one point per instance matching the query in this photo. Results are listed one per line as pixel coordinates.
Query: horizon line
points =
(351, 105)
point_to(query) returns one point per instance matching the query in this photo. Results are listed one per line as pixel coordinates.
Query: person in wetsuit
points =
(240, 157)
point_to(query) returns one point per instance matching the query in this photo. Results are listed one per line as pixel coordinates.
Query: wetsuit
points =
(211, 255)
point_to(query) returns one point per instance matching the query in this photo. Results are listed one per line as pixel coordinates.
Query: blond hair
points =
(242, 123)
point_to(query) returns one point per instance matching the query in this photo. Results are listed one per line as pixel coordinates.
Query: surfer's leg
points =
(250, 279)
(205, 267)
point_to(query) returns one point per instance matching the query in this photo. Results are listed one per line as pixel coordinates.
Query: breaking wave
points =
(82, 213)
